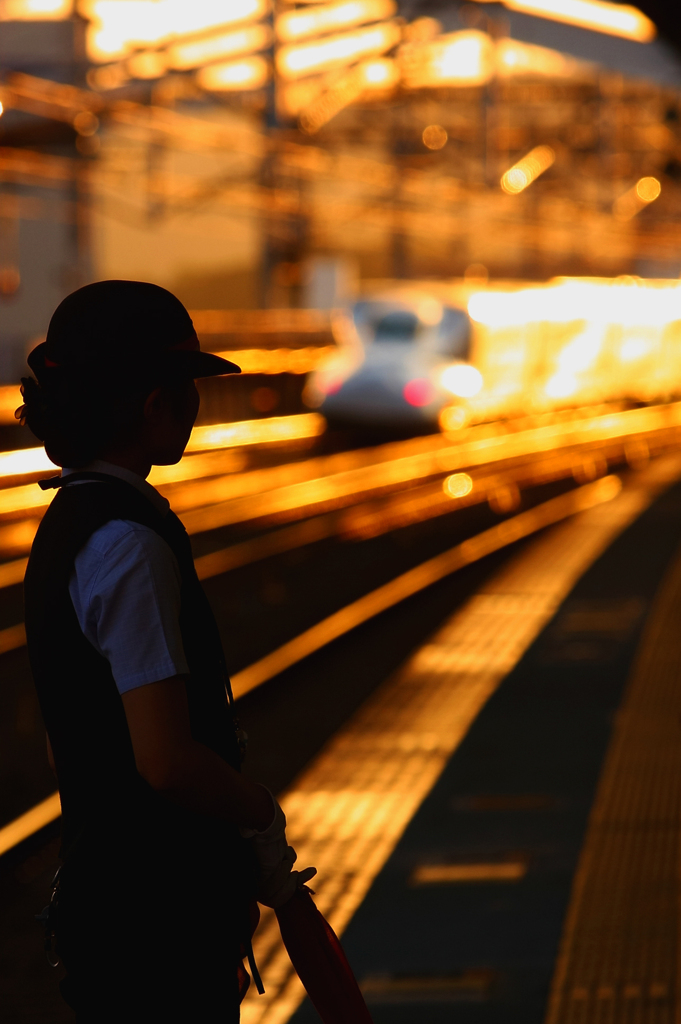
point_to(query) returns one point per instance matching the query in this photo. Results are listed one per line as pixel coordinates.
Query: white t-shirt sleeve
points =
(125, 588)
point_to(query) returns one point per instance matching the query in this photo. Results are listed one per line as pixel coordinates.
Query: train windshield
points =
(400, 325)
(387, 324)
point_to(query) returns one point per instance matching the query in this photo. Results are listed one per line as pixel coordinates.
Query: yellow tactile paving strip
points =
(619, 954)
(347, 811)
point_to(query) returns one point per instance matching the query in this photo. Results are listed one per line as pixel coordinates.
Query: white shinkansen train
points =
(417, 356)
(403, 355)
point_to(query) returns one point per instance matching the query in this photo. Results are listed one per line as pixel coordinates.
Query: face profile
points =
(168, 417)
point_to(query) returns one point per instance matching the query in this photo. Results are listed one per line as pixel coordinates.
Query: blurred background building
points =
(248, 155)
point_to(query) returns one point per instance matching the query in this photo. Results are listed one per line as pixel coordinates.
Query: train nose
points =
(373, 395)
(367, 387)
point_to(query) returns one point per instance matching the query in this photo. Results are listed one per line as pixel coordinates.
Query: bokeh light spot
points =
(434, 136)
(419, 392)
(458, 485)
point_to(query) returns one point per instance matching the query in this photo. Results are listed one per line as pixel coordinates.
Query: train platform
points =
(497, 828)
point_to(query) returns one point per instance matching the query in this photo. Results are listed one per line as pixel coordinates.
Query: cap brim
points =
(202, 364)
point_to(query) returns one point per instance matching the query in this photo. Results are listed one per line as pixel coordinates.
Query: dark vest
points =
(106, 804)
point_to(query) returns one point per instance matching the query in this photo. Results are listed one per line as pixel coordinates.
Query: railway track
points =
(210, 493)
(349, 495)
(551, 484)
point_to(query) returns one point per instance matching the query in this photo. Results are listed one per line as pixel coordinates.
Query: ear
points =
(152, 404)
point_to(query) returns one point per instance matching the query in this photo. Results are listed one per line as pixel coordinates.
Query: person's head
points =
(116, 373)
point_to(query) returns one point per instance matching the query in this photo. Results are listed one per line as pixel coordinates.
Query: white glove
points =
(275, 859)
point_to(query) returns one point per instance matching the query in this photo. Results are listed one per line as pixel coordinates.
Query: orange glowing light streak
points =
(26, 497)
(297, 489)
(13, 636)
(294, 97)
(261, 321)
(517, 178)
(366, 76)
(611, 18)
(627, 301)
(25, 461)
(383, 515)
(196, 53)
(205, 510)
(199, 467)
(428, 501)
(448, 874)
(35, 10)
(301, 24)
(279, 360)
(276, 542)
(281, 429)
(10, 400)
(472, 57)
(249, 73)
(16, 538)
(644, 192)
(382, 73)
(266, 431)
(117, 27)
(47, 99)
(29, 823)
(149, 64)
(514, 58)
(112, 76)
(337, 50)
(203, 15)
(458, 58)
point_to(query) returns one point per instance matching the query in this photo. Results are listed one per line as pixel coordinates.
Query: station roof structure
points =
(658, 60)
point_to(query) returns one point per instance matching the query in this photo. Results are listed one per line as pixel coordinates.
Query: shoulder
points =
(120, 546)
(124, 533)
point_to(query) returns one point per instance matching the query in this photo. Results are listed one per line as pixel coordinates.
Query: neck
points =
(135, 462)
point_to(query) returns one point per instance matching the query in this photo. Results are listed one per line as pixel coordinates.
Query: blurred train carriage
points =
(411, 356)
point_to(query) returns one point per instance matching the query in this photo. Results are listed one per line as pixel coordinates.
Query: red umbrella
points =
(320, 962)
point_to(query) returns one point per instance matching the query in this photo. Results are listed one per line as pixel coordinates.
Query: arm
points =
(185, 771)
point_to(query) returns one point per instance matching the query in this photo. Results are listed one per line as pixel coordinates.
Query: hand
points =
(278, 882)
(278, 887)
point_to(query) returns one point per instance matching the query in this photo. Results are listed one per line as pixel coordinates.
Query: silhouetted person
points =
(164, 843)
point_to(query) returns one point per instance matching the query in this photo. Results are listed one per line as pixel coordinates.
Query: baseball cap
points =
(124, 327)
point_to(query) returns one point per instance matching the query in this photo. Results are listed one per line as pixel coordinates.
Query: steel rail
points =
(501, 488)
(318, 499)
(348, 477)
